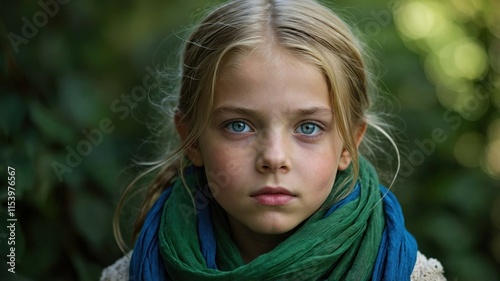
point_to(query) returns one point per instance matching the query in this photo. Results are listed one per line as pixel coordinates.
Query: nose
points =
(273, 153)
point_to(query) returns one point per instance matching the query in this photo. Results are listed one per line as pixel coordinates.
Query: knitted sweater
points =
(425, 270)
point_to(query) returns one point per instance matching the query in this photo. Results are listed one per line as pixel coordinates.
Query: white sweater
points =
(424, 270)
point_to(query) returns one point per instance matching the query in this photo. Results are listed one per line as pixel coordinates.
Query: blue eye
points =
(238, 127)
(308, 128)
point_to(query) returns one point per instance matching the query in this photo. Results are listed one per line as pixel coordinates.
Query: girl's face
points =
(272, 149)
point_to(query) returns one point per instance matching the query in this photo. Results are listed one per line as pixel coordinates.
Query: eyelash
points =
(319, 126)
(232, 122)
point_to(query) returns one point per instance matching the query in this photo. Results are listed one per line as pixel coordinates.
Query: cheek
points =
(321, 169)
(322, 183)
(224, 168)
(228, 162)
(324, 174)
(225, 157)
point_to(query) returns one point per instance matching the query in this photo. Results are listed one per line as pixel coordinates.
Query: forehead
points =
(270, 78)
(267, 57)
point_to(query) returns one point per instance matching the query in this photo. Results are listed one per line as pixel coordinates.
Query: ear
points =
(345, 157)
(192, 151)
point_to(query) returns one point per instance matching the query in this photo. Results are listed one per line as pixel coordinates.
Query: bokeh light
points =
(470, 59)
(419, 20)
(468, 149)
(491, 163)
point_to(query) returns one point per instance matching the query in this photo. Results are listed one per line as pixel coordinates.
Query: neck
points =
(252, 244)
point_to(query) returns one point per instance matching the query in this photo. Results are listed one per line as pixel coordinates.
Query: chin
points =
(275, 229)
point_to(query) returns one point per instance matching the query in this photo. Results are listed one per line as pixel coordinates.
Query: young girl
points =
(268, 183)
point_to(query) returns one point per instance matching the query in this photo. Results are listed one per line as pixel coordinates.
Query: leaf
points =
(50, 125)
(12, 114)
(92, 218)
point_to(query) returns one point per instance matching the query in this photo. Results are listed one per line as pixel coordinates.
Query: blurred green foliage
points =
(70, 131)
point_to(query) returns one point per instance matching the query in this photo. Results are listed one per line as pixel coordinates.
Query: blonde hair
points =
(304, 29)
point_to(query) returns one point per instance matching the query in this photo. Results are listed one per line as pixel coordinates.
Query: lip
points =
(273, 196)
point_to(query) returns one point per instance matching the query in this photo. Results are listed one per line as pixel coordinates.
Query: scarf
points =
(361, 237)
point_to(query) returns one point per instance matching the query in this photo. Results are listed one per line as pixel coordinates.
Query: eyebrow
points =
(315, 110)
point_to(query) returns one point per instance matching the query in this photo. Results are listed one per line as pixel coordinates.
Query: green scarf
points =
(341, 246)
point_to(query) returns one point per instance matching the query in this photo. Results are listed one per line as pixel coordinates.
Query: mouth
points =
(273, 196)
